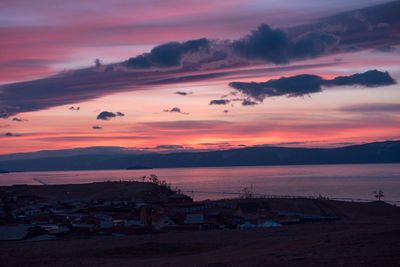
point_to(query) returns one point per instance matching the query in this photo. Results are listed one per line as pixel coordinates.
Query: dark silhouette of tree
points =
(154, 179)
(378, 194)
(246, 193)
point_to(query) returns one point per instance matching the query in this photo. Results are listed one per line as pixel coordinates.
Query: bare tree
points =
(176, 190)
(154, 179)
(378, 194)
(246, 193)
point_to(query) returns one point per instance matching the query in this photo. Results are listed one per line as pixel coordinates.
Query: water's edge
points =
(352, 181)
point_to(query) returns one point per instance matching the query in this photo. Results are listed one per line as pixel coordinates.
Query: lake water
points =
(334, 181)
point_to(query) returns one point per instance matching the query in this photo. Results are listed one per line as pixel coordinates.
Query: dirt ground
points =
(370, 238)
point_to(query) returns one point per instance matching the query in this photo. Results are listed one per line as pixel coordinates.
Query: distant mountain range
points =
(104, 150)
(118, 158)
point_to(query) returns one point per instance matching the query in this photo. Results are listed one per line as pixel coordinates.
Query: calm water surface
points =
(335, 181)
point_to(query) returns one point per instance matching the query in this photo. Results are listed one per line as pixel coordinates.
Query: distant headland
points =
(86, 159)
(139, 167)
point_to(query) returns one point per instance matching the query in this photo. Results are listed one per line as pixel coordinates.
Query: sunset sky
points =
(159, 75)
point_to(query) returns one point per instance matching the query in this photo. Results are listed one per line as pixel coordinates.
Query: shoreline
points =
(356, 182)
(214, 167)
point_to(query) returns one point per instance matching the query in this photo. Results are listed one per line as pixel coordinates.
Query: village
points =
(26, 215)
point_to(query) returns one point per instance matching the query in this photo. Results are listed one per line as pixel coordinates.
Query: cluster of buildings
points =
(26, 216)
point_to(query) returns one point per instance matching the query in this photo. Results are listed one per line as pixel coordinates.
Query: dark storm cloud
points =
(11, 134)
(167, 55)
(351, 48)
(97, 128)
(305, 84)
(372, 78)
(266, 43)
(373, 108)
(292, 86)
(106, 115)
(248, 102)
(176, 110)
(85, 84)
(182, 93)
(204, 59)
(274, 45)
(217, 56)
(385, 49)
(312, 44)
(219, 102)
(365, 28)
(18, 119)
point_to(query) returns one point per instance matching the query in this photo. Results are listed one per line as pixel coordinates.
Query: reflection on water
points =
(347, 181)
